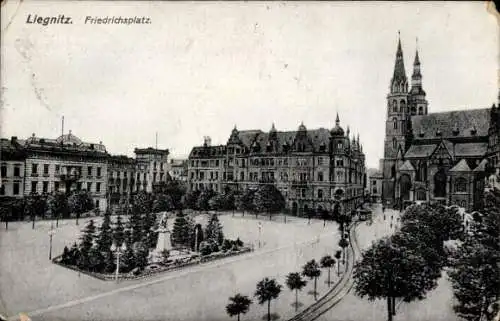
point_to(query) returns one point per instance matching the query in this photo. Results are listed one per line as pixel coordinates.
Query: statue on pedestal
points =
(163, 235)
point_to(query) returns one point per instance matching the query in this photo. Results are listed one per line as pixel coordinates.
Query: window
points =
(394, 142)
(420, 111)
(98, 172)
(58, 168)
(97, 204)
(394, 106)
(45, 187)
(395, 123)
(98, 187)
(154, 178)
(421, 195)
(45, 169)
(17, 171)
(16, 188)
(217, 163)
(4, 170)
(56, 186)
(33, 186)
(320, 193)
(402, 106)
(320, 160)
(303, 192)
(89, 170)
(339, 146)
(2, 190)
(161, 176)
(34, 168)
(242, 176)
(89, 186)
(461, 185)
(161, 166)
(320, 176)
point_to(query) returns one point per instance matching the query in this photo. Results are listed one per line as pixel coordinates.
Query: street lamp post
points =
(118, 250)
(260, 230)
(51, 234)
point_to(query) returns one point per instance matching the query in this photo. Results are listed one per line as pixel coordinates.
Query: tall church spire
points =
(399, 80)
(416, 78)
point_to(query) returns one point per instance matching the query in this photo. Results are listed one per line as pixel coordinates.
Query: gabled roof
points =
(481, 167)
(447, 122)
(461, 167)
(420, 151)
(407, 166)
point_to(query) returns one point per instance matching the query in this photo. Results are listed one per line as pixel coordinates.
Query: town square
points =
(249, 161)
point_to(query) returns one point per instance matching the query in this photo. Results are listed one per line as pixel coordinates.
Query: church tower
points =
(396, 125)
(417, 101)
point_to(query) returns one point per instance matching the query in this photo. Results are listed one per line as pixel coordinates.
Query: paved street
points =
(49, 292)
(437, 306)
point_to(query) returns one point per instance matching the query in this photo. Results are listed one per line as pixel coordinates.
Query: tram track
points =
(340, 290)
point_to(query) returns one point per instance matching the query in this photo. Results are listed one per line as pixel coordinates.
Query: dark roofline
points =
(453, 111)
(151, 150)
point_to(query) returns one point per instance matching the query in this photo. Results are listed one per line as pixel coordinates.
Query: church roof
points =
(418, 151)
(471, 149)
(481, 167)
(461, 167)
(407, 166)
(446, 123)
(399, 66)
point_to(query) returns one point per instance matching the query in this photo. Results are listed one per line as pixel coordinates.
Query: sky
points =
(200, 68)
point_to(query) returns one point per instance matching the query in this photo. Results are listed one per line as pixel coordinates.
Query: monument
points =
(163, 235)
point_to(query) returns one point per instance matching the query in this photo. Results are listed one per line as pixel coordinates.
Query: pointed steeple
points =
(416, 77)
(348, 131)
(399, 80)
(337, 120)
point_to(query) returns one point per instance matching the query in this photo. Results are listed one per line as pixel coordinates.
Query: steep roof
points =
(446, 123)
(481, 167)
(208, 151)
(462, 166)
(419, 151)
(471, 149)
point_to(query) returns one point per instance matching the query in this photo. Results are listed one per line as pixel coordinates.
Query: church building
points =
(440, 157)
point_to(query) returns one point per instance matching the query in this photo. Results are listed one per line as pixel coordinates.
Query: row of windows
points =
(16, 188)
(46, 167)
(404, 109)
(56, 185)
(205, 163)
(17, 171)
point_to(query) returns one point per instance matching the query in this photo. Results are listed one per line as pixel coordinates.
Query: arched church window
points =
(394, 142)
(394, 106)
(461, 185)
(393, 171)
(440, 184)
(395, 123)
(413, 110)
(402, 106)
(420, 110)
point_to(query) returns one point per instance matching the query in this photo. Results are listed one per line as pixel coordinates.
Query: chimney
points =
(13, 139)
(206, 141)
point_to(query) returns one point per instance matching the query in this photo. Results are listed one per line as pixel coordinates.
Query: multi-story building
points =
(42, 166)
(65, 164)
(374, 185)
(178, 169)
(315, 170)
(436, 157)
(12, 168)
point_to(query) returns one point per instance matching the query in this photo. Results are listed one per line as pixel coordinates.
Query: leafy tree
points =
(57, 203)
(118, 231)
(35, 204)
(327, 262)
(216, 203)
(174, 190)
(95, 260)
(389, 270)
(213, 231)
(269, 199)
(162, 202)
(244, 201)
(191, 200)
(109, 259)
(295, 283)
(475, 267)
(343, 243)
(191, 231)
(136, 226)
(203, 200)
(238, 304)
(142, 203)
(267, 290)
(312, 271)
(128, 259)
(80, 202)
(180, 233)
(338, 255)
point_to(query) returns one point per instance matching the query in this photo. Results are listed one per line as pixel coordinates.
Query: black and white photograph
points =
(249, 160)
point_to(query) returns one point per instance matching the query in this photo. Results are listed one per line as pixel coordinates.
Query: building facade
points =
(178, 170)
(67, 164)
(435, 157)
(315, 170)
(375, 179)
